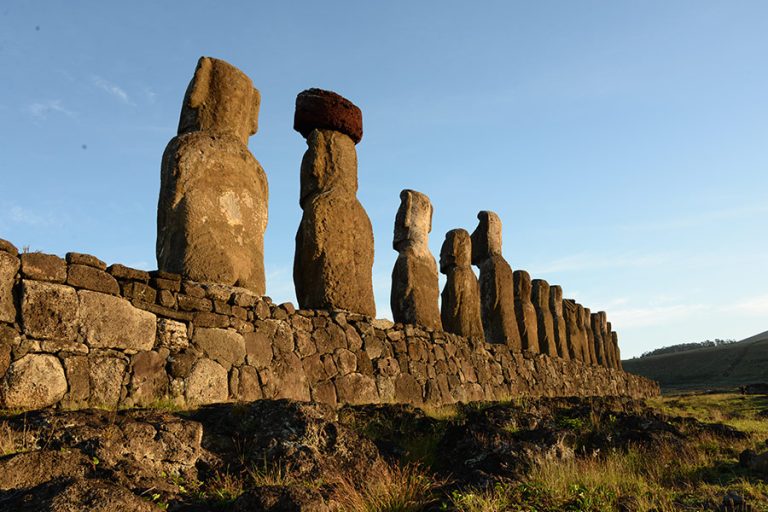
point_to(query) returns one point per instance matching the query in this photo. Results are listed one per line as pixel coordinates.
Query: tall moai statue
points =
(616, 349)
(590, 346)
(605, 336)
(496, 283)
(545, 321)
(573, 324)
(599, 342)
(581, 319)
(460, 309)
(415, 287)
(212, 209)
(334, 244)
(526, 314)
(556, 307)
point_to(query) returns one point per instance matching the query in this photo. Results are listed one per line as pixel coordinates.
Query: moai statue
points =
(582, 321)
(415, 286)
(545, 321)
(556, 307)
(334, 243)
(574, 329)
(599, 342)
(496, 283)
(590, 338)
(460, 311)
(212, 209)
(605, 336)
(617, 351)
(525, 312)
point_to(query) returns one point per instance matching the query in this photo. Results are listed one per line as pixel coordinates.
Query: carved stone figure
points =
(573, 323)
(617, 351)
(497, 299)
(415, 287)
(460, 310)
(334, 243)
(556, 307)
(212, 209)
(599, 342)
(545, 323)
(525, 312)
(590, 346)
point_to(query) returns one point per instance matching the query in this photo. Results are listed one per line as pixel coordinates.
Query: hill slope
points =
(713, 367)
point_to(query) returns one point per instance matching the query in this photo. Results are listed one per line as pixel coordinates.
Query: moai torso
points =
(545, 321)
(582, 321)
(415, 287)
(617, 351)
(525, 312)
(599, 342)
(212, 209)
(556, 307)
(573, 329)
(590, 337)
(496, 283)
(460, 309)
(334, 243)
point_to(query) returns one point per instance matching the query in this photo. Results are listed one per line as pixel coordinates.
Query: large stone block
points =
(356, 388)
(415, 288)
(9, 266)
(43, 267)
(149, 380)
(212, 209)
(49, 311)
(527, 322)
(106, 377)
(222, 345)
(460, 308)
(496, 283)
(91, 278)
(207, 383)
(334, 244)
(112, 322)
(33, 382)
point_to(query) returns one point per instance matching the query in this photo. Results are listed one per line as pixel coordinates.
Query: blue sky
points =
(623, 144)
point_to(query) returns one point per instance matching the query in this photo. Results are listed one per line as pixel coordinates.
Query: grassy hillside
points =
(726, 366)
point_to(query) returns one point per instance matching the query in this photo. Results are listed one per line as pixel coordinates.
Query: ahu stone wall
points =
(75, 333)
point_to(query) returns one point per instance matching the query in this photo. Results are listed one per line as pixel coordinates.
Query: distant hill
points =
(725, 366)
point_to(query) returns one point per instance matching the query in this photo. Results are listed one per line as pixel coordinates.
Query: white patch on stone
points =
(230, 207)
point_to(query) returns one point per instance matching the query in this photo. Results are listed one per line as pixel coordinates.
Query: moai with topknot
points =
(496, 283)
(556, 307)
(332, 267)
(545, 323)
(525, 312)
(460, 310)
(415, 287)
(212, 209)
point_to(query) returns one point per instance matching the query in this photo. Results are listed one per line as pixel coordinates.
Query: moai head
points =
(603, 319)
(556, 295)
(317, 109)
(540, 291)
(220, 99)
(486, 239)
(413, 222)
(456, 250)
(522, 283)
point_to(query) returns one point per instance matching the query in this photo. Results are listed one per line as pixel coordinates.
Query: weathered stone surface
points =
(33, 382)
(91, 278)
(258, 347)
(6, 246)
(212, 209)
(43, 267)
(573, 330)
(317, 109)
(112, 322)
(556, 308)
(207, 383)
(460, 309)
(9, 266)
(249, 387)
(334, 243)
(356, 388)
(172, 334)
(415, 288)
(545, 323)
(290, 379)
(222, 345)
(123, 272)
(527, 322)
(106, 377)
(77, 371)
(9, 338)
(616, 350)
(76, 258)
(597, 335)
(49, 311)
(496, 284)
(148, 380)
(590, 354)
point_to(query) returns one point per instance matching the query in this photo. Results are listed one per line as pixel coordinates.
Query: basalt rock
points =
(333, 263)
(496, 282)
(460, 310)
(545, 321)
(415, 287)
(556, 307)
(212, 209)
(525, 312)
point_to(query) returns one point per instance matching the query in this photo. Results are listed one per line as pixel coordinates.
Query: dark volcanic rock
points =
(326, 110)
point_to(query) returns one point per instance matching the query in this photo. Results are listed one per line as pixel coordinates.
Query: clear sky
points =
(623, 144)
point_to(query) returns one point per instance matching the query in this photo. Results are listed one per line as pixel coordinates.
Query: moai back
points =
(212, 209)
(460, 307)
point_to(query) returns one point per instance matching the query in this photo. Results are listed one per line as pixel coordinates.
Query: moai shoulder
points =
(460, 311)
(212, 207)
(415, 287)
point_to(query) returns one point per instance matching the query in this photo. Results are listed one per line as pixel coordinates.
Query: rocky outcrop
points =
(415, 288)
(527, 322)
(496, 283)
(334, 243)
(212, 209)
(460, 307)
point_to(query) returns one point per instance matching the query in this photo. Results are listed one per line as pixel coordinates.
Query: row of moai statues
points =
(212, 215)
(502, 306)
